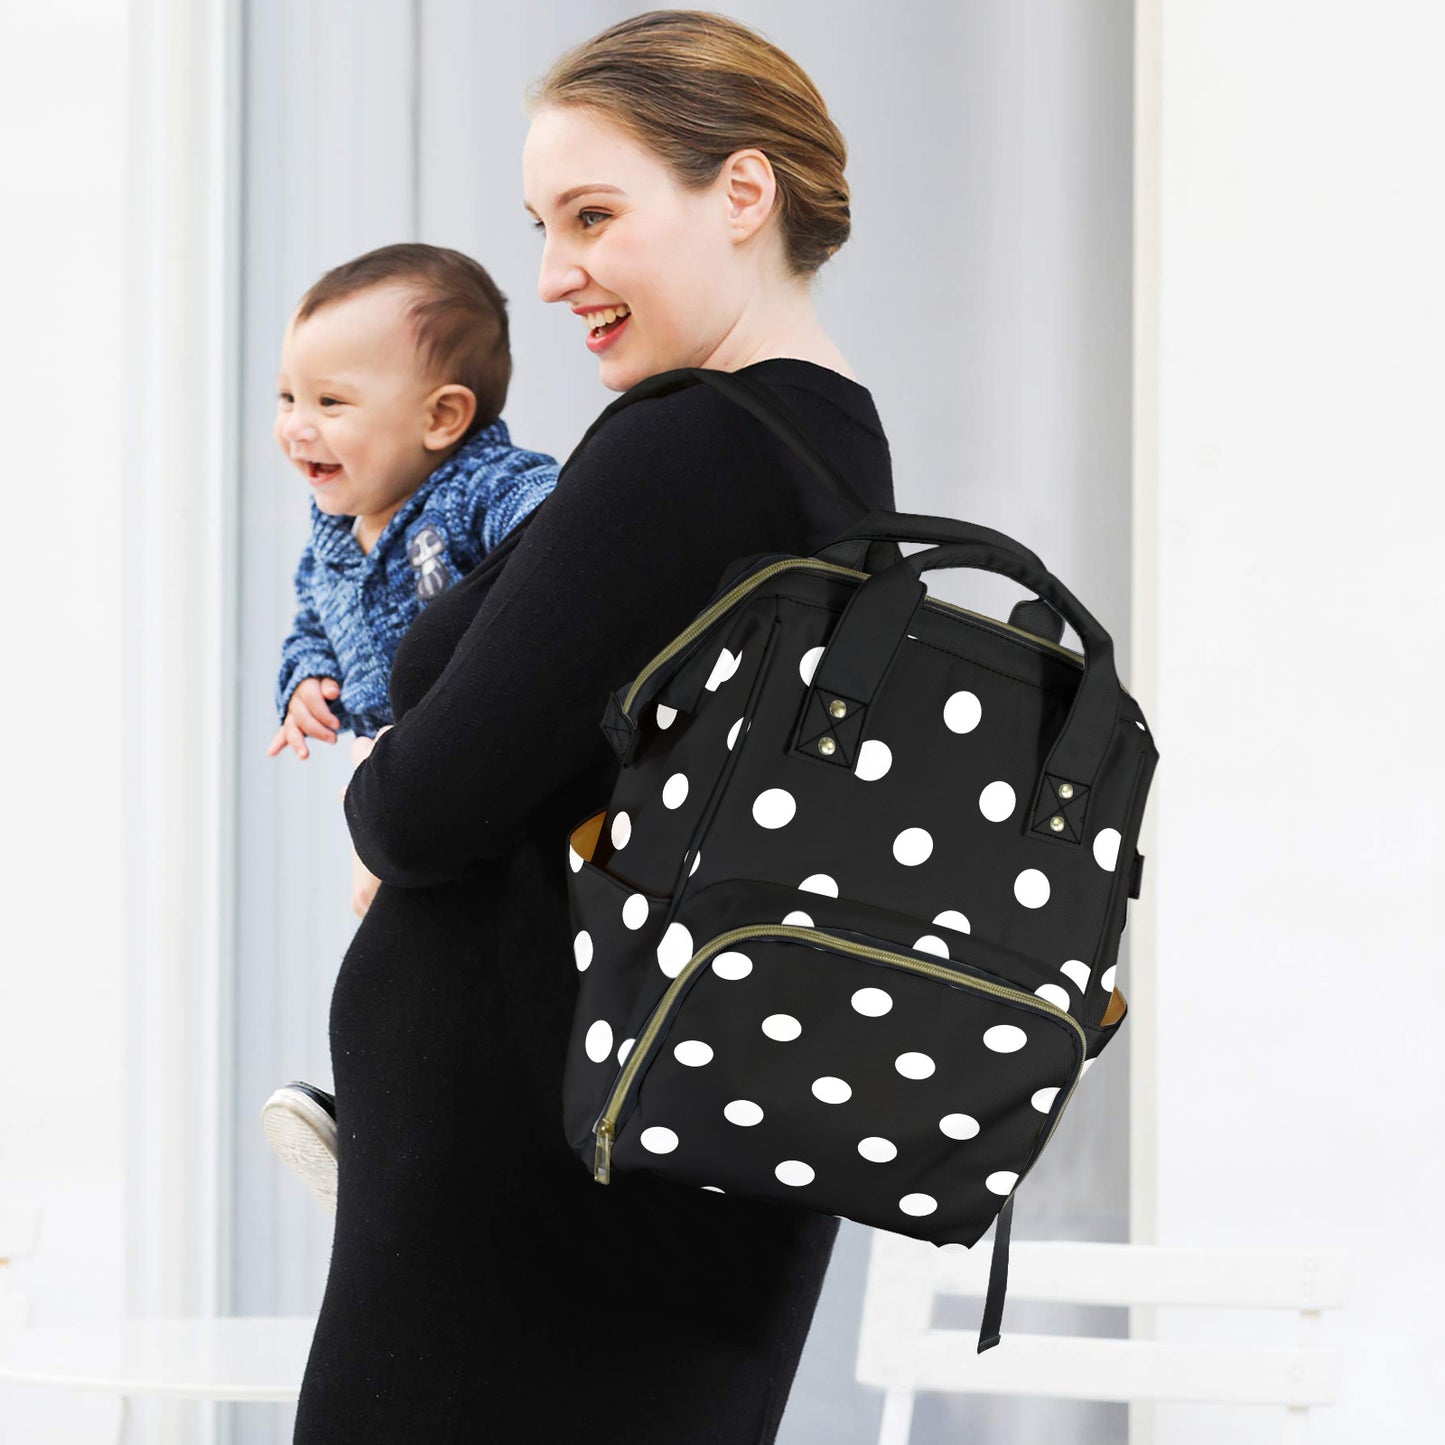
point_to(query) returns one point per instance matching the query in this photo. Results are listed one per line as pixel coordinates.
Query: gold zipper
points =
(705, 620)
(607, 1123)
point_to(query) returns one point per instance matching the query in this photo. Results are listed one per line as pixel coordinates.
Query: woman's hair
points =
(692, 87)
(456, 312)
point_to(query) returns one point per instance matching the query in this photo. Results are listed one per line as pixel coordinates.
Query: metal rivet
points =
(1066, 790)
(826, 746)
(838, 707)
(1056, 823)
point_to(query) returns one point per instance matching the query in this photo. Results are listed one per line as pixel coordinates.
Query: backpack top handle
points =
(870, 633)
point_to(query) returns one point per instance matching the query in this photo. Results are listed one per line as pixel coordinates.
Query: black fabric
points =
(482, 1285)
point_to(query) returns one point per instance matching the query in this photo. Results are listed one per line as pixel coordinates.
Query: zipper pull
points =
(602, 1164)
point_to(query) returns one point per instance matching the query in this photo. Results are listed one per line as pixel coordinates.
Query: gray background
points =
(984, 298)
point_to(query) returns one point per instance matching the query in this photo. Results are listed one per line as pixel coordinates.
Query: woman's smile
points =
(601, 337)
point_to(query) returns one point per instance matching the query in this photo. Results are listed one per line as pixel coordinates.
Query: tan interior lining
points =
(585, 835)
(1115, 1009)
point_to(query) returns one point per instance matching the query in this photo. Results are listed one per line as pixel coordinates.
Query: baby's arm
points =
(308, 685)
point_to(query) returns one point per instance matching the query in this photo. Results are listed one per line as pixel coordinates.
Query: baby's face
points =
(351, 404)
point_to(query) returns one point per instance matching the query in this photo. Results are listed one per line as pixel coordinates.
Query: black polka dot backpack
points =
(846, 932)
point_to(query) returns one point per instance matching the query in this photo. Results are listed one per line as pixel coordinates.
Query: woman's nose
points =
(557, 278)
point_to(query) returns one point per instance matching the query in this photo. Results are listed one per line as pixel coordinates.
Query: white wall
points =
(61, 1003)
(1297, 865)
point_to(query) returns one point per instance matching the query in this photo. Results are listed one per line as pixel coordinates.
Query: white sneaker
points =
(300, 1124)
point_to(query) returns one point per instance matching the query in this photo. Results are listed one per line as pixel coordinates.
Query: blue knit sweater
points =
(355, 605)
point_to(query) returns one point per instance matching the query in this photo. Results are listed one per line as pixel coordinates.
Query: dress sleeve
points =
(632, 543)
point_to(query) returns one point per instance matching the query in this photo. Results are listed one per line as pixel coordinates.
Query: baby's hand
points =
(307, 715)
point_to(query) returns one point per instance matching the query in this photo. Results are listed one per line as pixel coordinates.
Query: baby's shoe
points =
(300, 1124)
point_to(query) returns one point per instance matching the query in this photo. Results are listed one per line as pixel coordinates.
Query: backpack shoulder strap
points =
(752, 397)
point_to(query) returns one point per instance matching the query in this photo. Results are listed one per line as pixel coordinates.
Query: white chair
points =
(228, 1358)
(900, 1353)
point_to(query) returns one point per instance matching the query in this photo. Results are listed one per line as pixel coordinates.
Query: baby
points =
(394, 371)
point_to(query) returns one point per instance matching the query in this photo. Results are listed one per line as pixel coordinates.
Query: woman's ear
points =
(750, 188)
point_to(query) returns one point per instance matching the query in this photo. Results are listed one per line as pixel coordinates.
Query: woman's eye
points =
(539, 226)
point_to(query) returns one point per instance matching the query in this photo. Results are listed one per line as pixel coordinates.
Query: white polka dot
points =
(798, 919)
(774, 808)
(674, 950)
(783, 1027)
(693, 1052)
(732, 966)
(1087, 1065)
(959, 1126)
(733, 733)
(1005, 1038)
(582, 950)
(1031, 888)
(722, 669)
(918, 1204)
(914, 1066)
(674, 791)
(599, 1041)
(962, 712)
(634, 910)
(657, 1140)
(665, 715)
(819, 883)
(794, 1171)
(912, 846)
(877, 1149)
(831, 1090)
(696, 859)
(1043, 1099)
(574, 859)
(996, 801)
(1106, 979)
(931, 943)
(874, 760)
(713, 1188)
(952, 918)
(621, 830)
(1106, 848)
(626, 1049)
(742, 1111)
(873, 1002)
(808, 665)
(1054, 993)
(1001, 1182)
(1077, 970)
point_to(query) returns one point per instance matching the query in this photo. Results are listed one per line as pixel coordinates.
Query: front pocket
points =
(844, 1075)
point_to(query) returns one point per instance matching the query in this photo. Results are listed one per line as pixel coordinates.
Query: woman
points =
(482, 1285)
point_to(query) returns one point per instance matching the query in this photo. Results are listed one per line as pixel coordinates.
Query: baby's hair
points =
(692, 87)
(457, 313)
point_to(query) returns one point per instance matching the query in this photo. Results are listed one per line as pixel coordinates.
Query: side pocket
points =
(616, 932)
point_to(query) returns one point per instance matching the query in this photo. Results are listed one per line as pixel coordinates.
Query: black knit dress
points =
(482, 1286)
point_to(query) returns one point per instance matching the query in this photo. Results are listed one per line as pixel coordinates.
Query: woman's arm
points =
(629, 547)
